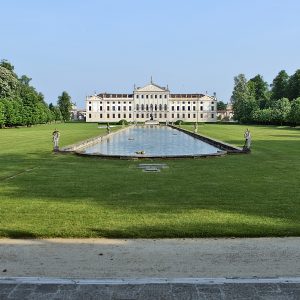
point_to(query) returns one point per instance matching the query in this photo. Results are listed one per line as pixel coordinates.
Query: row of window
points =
(151, 96)
(152, 107)
(142, 116)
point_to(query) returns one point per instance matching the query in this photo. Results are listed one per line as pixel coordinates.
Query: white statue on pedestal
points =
(247, 136)
(55, 138)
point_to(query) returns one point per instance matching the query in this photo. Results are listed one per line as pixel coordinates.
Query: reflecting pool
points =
(153, 141)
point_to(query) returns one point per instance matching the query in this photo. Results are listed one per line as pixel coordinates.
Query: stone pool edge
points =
(230, 149)
(74, 148)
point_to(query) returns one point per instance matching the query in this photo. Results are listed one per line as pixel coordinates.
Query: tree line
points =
(255, 101)
(22, 104)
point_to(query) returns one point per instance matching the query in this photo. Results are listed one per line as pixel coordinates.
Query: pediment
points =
(151, 88)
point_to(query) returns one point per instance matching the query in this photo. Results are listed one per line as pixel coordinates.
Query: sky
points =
(87, 46)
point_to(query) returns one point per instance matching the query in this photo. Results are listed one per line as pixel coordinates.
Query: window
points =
(107, 116)
(151, 107)
(90, 115)
(155, 107)
(90, 102)
(119, 108)
(151, 96)
(178, 108)
(113, 102)
(155, 115)
(119, 116)
(129, 102)
(119, 102)
(100, 102)
(100, 107)
(107, 107)
(114, 115)
(113, 108)
(183, 115)
(100, 116)
(142, 116)
(147, 107)
(183, 107)
(165, 115)
(166, 107)
(124, 116)
(183, 102)
(172, 116)
(130, 108)
(160, 116)
(194, 107)
(194, 116)
(137, 115)
(212, 108)
(201, 116)
(142, 96)
(178, 116)
(189, 102)
(137, 96)
(189, 115)
(189, 108)
(124, 102)
(212, 116)
(129, 115)
(147, 115)
(142, 106)
(137, 107)
(212, 102)
(155, 96)
(201, 107)
(160, 106)
(160, 96)
(173, 108)
(201, 102)
(146, 96)
(165, 96)
(194, 102)
(124, 108)
(90, 108)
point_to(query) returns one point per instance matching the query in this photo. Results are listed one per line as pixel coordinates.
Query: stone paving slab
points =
(188, 288)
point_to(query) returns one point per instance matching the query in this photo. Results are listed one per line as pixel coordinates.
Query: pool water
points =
(151, 141)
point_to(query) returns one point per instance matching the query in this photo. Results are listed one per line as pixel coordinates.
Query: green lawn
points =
(53, 195)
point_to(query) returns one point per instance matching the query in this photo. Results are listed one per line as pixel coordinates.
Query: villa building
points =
(151, 102)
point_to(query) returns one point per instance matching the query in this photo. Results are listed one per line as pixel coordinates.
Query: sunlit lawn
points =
(51, 195)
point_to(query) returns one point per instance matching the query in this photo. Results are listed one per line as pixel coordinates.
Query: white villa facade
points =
(151, 102)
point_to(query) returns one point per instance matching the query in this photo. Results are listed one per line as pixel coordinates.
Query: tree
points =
(279, 86)
(293, 88)
(263, 116)
(281, 110)
(294, 115)
(221, 105)
(2, 116)
(259, 89)
(7, 65)
(244, 104)
(65, 106)
(55, 112)
(8, 83)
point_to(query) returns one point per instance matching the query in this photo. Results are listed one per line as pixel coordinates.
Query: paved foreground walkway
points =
(165, 258)
(38, 288)
(33, 269)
